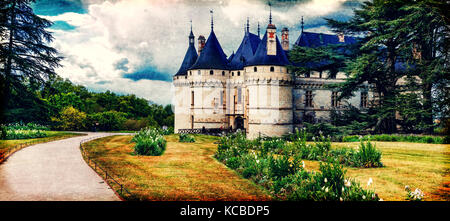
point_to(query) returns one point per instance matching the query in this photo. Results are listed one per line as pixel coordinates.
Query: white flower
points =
(369, 182)
(381, 199)
(343, 189)
(364, 197)
(347, 183)
(325, 180)
(326, 190)
(340, 198)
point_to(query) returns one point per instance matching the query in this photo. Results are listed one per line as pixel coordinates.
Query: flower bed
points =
(149, 142)
(283, 173)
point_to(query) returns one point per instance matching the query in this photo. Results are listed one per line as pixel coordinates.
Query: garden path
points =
(53, 171)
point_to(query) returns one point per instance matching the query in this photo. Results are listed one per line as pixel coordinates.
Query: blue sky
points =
(135, 46)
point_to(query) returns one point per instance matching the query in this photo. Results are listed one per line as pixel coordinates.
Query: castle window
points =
(364, 99)
(320, 74)
(334, 99)
(307, 75)
(255, 69)
(239, 73)
(239, 94)
(190, 72)
(309, 118)
(232, 73)
(223, 73)
(272, 69)
(211, 72)
(192, 98)
(308, 99)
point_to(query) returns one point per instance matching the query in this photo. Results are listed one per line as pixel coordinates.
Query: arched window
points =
(211, 72)
(239, 73)
(223, 73)
(232, 73)
(255, 69)
(272, 69)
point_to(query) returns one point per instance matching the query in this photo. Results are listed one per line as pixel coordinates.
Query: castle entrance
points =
(239, 123)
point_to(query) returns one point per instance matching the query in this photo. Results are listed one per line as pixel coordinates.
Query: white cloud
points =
(155, 34)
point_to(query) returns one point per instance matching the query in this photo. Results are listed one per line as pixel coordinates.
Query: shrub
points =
(368, 155)
(70, 119)
(149, 142)
(186, 138)
(108, 120)
(24, 134)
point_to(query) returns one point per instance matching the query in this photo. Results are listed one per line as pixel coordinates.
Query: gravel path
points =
(53, 171)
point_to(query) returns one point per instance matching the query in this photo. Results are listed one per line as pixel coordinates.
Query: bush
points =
(149, 142)
(108, 121)
(70, 119)
(24, 134)
(367, 155)
(186, 138)
(396, 138)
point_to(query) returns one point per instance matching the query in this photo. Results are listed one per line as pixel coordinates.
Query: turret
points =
(285, 39)
(201, 43)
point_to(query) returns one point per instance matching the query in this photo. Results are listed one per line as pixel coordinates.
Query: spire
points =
(212, 19)
(248, 25)
(191, 35)
(258, 29)
(302, 23)
(270, 15)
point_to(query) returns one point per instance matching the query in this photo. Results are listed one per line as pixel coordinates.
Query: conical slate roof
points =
(212, 55)
(261, 57)
(245, 51)
(189, 58)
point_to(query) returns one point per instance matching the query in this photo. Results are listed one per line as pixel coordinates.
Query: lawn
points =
(6, 145)
(418, 165)
(185, 172)
(188, 171)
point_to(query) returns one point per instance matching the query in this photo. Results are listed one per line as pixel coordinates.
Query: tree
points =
(396, 33)
(24, 55)
(70, 119)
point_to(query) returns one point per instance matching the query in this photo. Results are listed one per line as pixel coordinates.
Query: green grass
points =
(423, 166)
(6, 145)
(186, 171)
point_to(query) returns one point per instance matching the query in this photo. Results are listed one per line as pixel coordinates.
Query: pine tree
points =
(25, 58)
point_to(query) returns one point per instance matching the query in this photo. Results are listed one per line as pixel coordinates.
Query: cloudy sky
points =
(135, 46)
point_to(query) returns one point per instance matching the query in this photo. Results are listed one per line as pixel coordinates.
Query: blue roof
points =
(261, 57)
(212, 55)
(312, 40)
(189, 59)
(245, 51)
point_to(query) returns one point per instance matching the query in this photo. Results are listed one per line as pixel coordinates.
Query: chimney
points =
(285, 39)
(201, 43)
(341, 37)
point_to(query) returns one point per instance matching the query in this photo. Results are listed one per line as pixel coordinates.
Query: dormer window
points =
(272, 69)
(239, 73)
(211, 72)
(223, 73)
(255, 69)
(232, 73)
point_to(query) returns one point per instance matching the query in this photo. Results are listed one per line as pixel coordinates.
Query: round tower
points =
(270, 88)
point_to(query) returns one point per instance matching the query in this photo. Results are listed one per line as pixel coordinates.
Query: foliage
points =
(28, 126)
(70, 119)
(284, 173)
(24, 134)
(107, 121)
(149, 142)
(396, 138)
(186, 138)
(25, 56)
(416, 195)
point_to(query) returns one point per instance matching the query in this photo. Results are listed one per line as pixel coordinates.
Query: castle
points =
(253, 89)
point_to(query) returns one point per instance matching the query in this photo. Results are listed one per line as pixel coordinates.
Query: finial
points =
(212, 19)
(302, 23)
(248, 25)
(270, 15)
(258, 29)
(191, 24)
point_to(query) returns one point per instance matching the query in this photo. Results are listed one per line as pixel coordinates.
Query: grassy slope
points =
(423, 166)
(52, 135)
(186, 171)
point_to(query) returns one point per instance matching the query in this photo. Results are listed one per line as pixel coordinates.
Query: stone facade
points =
(260, 96)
